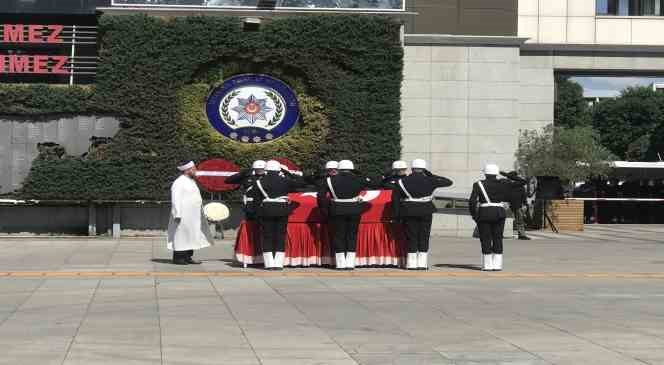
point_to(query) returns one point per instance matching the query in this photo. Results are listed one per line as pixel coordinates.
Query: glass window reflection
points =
(316, 4)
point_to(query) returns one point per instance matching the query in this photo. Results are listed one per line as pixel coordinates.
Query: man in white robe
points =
(188, 229)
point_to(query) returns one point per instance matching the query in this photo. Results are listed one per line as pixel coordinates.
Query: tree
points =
(630, 125)
(572, 154)
(571, 109)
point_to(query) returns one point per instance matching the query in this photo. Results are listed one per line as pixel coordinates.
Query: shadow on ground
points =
(460, 266)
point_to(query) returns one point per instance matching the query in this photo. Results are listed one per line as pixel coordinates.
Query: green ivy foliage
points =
(156, 73)
(42, 100)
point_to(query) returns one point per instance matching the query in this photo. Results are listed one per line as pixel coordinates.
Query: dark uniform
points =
(517, 201)
(389, 179)
(338, 200)
(270, 195)
(412, 203)
(490, 220)
(246, 179)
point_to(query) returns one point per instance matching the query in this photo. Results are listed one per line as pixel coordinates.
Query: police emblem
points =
(253, 108)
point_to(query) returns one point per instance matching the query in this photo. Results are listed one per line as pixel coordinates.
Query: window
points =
(630, 7)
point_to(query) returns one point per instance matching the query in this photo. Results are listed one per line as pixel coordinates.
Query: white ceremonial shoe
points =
(341, 260)
(411, 261)
(268, 260)
(423, 260)
(279, 260)
(350, 260)
(487, 262)
(497, 262)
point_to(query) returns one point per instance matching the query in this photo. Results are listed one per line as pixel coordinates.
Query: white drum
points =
(216, 212)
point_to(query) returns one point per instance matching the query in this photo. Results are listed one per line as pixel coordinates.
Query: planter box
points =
(566, 215)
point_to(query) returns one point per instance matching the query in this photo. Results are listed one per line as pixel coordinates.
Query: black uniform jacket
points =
(347, 185)
(497, 190)
(246, 180)
(275, 186)
(389, 179)
(418, 185)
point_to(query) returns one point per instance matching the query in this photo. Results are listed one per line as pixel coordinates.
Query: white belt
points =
(486, 205)
(281, 199)
(354, 200)
(426, 199)
(248, 199)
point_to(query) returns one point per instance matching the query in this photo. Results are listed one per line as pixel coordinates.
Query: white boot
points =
(497, 262)
(411, 261)
(341, 260)
(423, 260)
(279, 260)
(487, 262)
(268, 260)
(350, 260)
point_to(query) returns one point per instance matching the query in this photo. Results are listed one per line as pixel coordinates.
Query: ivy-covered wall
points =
(155, 75)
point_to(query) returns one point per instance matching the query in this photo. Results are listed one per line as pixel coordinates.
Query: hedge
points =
(154, 74)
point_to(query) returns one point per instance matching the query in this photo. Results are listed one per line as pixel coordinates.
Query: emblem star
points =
(252, 109)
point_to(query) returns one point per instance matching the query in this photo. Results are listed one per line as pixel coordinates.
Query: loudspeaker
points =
(549, 188)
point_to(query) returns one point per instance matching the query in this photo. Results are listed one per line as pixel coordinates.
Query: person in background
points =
(488, 212)
(188, 230)
(517, 202)
(412, 203)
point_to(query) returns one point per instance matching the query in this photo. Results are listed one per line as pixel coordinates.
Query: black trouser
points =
(273, 233)
(418, 230)
(491, 236)
(344, 232)
(182, 255)
(519, 221)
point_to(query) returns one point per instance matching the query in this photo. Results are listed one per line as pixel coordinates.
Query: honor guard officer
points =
(331, 169)
(246, 179)
(345, 208)
(390, 177)
(488, 211)
(270, 194)
(412, 202)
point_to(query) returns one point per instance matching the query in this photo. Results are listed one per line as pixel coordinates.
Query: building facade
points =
(476, 72)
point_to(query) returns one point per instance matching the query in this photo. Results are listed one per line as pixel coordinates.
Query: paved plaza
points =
(589, 298)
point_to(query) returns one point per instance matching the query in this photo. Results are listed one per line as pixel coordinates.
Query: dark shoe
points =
(524, 238)
(180, 262)
(193, 262)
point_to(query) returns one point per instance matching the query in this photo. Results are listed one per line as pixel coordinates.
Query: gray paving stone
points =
(402, 359)
(102, 354)
(206, 355)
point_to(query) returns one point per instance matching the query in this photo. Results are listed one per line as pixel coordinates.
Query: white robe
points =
(193, 230)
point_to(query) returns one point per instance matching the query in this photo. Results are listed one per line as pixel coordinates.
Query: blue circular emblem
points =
(253, 108)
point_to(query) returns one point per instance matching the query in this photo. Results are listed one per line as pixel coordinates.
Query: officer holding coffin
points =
(331, 169)
(488, 211)
(246, 179)
(412, 203)
(270, 195)
(319, 181)
(339, 195)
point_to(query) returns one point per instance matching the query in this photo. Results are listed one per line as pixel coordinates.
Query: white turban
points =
(186, 166)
